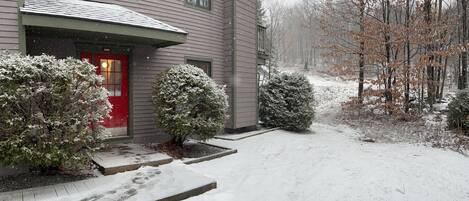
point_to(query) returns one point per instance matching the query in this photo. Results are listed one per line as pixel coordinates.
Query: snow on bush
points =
(188, 102)
(286, 101)
(458, 115)
(263, 73)
(51, 111)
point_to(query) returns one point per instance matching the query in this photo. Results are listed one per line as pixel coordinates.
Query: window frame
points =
(198, 6)
(116, 75)
(198, 59)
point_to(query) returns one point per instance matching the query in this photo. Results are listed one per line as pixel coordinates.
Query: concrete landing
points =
(169, 182)
(126, 157)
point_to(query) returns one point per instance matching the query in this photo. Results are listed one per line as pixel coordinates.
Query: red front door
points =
(113, 68)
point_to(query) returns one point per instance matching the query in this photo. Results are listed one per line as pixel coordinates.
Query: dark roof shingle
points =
(96, 12)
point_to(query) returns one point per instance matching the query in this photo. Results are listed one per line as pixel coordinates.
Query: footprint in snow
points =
(127, 190)
(400, 191)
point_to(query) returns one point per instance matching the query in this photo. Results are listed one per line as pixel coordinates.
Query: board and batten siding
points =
(9, 37)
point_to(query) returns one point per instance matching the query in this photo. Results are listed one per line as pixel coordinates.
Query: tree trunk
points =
(429, 48)
(271, 42)
(463, 76)
(439, 58)
(387, 42)
(442, 88)
(407, 67)
(361, 59)
(314, 58)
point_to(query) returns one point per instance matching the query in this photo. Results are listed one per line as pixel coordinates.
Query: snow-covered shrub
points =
(50, 111)
(458, 115)
(263, 73)
(286, 101)
(188, 102)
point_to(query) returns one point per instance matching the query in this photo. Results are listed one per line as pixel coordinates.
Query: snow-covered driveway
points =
(331, 164)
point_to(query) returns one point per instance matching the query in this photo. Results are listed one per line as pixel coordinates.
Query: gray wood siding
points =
(229, 53)
(246, 63)
(60, 48)
(205, 41)
(210, 36)
(9, 37)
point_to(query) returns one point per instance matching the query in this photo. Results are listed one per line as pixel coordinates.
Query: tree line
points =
(404, 54)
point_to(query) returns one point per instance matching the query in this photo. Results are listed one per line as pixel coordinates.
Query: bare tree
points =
(345, 24)
(276, 32)
(397, 50)
(462, 84)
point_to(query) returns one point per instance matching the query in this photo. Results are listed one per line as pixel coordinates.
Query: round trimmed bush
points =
(286, 101)
(51, 111)
(458, 115)
(188, 102)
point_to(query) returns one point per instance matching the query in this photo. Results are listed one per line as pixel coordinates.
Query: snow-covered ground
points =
(331, 164)
(330, 92)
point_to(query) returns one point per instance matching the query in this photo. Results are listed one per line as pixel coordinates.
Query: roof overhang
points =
(87, 17)
(159, 38)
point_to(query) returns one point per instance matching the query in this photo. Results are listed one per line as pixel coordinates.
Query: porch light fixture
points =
(104, 64)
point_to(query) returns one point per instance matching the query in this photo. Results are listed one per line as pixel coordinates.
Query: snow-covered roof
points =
(95, 11)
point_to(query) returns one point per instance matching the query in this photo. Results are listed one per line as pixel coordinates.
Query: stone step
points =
(127, 157)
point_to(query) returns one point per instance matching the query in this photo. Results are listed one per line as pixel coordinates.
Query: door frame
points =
(111, 48)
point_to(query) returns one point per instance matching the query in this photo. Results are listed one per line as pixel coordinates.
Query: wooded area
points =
(404, 54)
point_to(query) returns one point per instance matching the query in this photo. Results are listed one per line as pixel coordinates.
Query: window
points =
(205, 4)
(111, 71)
(206, 66)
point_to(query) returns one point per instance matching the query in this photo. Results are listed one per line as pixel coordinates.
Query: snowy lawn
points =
(331, 164)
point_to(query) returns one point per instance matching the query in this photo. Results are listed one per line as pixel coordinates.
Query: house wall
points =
(61, 48)
(241, 60)
(229, 52)
(9, 40)
(9, 37)
(205, 41)
(246, 62)
(232, 52)
(141, 73)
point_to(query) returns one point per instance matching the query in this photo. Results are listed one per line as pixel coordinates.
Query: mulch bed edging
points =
(191, 193)
(180, 152)
(221, 137)
(227, 152)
